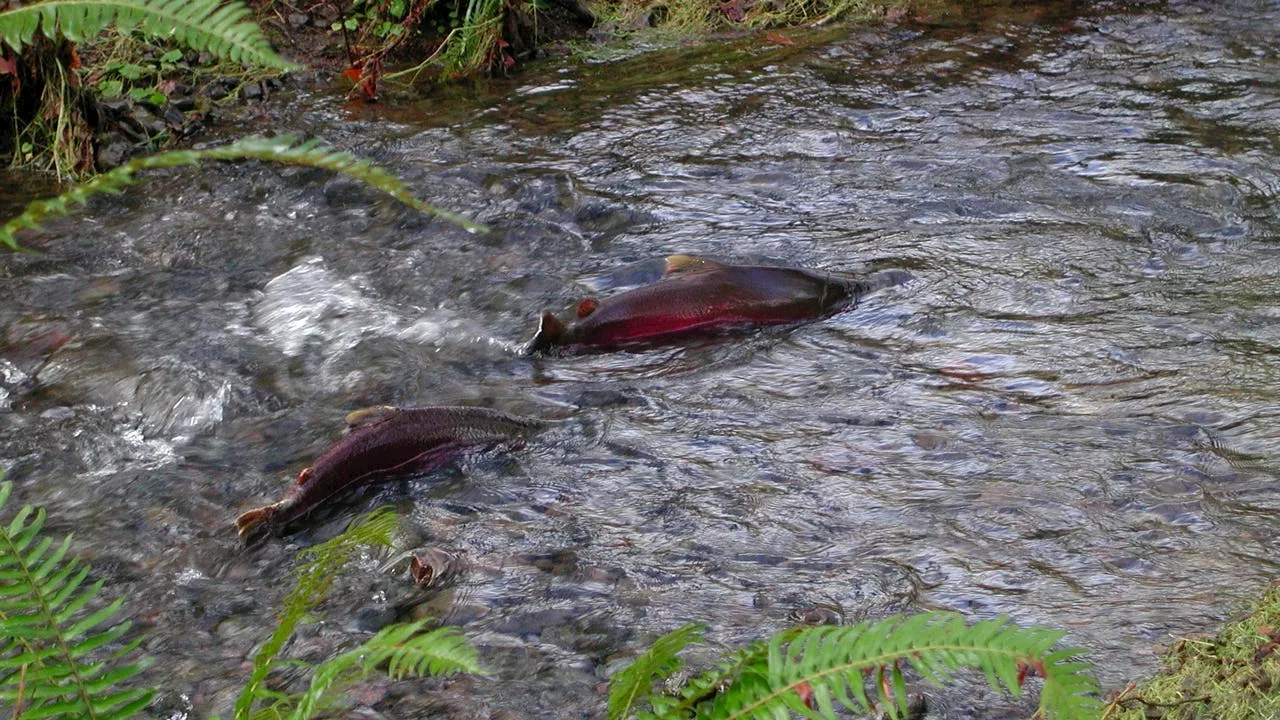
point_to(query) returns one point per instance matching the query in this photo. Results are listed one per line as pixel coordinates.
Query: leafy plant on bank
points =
(208, 25)
(62, 658)
(469, 36)
(61, 654)
(43, 107)
(813, 671)
(284, 148)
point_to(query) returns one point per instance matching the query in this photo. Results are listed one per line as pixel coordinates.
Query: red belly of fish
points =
(648, 327)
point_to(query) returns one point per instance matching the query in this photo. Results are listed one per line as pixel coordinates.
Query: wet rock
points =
(372, 619)
(226, 607)
(560, 562)
(216, 92)
(820, 615)
(183, 103)
(608, 219)
(346, 192)
(57, 413)
(236, 626)
(605, 398)
(147, 122)
(174, 117)
(252, 91)
(917, 707)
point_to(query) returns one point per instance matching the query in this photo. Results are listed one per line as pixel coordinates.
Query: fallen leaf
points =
(805, 691)
(778, 38)
(733, 10)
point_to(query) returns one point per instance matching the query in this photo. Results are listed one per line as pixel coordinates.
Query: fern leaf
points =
(207, 25)
(48, 642)
(836, 658)
(813, 672)
(407, 650)
(404, 648)
(635, 683)
(320, 565)
(284, 149)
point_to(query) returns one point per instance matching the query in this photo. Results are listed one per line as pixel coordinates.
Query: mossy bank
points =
(1234, 675)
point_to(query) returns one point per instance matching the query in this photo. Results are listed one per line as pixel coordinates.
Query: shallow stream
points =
(1067, 412)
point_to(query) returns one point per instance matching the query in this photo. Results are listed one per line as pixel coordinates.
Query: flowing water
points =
(1065, 410)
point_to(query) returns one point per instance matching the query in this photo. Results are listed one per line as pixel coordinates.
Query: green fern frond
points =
(403, 648)
(831, 663)
(206, 25)
(634, 684)
(814, 671)
(321, 564)
(50, 660)
(408, 651)
(284, 149)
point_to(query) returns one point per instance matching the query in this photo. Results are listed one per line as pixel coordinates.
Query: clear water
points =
(1067, 414)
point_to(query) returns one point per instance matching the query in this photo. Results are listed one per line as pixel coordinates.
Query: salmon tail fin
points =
(684, 263)
(251, 521)
(367, 416)
(550, 331)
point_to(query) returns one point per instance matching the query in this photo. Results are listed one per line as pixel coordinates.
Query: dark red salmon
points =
(383, 443)
(699, 296)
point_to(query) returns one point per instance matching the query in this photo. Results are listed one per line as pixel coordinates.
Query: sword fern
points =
(813, 671)
(403, 648)
(56, 657)
(284, 149)
(208, 25)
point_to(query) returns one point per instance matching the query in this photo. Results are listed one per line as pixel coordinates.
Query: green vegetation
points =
(200, 24)
(146, 69)
(1233, 676)
(814, 670)
(405, 649)
(43, 104)
(61, 654)
(700, 16)
(63, 659)
(279, 149)
(464, 36)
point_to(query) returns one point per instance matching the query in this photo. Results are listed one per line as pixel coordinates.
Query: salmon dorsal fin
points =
(369, 415)
(550, 330)
(587, 306)
(686, 263)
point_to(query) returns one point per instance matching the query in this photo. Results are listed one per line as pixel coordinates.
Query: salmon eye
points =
(588, 306)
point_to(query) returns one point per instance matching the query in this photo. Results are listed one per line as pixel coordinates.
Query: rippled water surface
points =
(1066, 414)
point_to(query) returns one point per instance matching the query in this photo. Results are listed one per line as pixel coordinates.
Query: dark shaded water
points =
(1067, 415)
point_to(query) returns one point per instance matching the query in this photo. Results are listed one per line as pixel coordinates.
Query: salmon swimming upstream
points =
(699, 296)
(384, 443)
